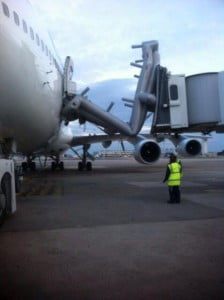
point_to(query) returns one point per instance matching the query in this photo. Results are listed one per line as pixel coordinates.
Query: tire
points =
(5, 197)
(2, 208)
(32, 166)
(24, 166)
(53, 166)
(18, 179)
(80, 166)
(89, 166)
(61, 166)
(18, 183)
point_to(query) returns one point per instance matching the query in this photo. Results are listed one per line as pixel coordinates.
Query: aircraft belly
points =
(30, 99)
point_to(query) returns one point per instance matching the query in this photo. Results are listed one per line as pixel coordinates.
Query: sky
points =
(99, 34)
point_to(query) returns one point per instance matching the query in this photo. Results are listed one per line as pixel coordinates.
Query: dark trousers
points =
(174, 193)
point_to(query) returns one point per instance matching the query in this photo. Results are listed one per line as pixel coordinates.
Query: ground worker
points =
(173, 178)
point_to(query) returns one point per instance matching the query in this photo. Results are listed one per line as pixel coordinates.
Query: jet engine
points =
(106, 144)
(189, 147)
(147, 151)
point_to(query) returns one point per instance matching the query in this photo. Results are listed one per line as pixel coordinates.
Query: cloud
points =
(98, 34)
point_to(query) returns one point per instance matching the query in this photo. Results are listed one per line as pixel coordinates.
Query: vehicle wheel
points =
(61, 165)
(5, 197)
(89, 166)
(80, 166)
(2, 208)
(18, 183)
(18, 178)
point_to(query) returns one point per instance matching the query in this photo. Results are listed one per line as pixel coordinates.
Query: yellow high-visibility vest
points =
(175, 174)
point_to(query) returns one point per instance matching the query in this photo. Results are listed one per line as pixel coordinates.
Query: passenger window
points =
(37, 39)
(25, 27)
(46, 50)
(55, 63)
(5, 10)
(42, 45)
(16, 18)
(31, 33)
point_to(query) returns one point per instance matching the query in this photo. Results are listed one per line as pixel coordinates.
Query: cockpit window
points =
(31, 33)
(5, 9)
(16, 18)
(25, 27)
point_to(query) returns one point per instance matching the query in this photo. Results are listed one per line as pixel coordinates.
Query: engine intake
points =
(189, 147)
(147, 151)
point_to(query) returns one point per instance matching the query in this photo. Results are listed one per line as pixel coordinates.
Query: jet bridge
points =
(178, 103)
(189, 104)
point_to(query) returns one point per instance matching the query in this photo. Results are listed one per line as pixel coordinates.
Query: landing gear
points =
(89, 166)
(53, 165)
(84, 165)
(24, 166)
(61, 166)
(56, 164)
(80, 166)
(29, 164)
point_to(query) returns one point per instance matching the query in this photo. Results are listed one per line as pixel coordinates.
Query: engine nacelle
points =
(147, 151)
(106, 144)
(189, 147)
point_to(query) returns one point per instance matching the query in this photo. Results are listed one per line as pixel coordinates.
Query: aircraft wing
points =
(91, 139)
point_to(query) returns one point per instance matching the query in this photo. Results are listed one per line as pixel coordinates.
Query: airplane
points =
(38, 98)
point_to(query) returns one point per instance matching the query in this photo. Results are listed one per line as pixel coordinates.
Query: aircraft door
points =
(178, 101)
(69, 85)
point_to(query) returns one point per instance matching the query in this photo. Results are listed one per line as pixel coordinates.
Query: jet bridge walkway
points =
(189, 104)
(178, 103)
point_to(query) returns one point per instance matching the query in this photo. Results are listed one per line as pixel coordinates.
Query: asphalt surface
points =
(110, 234)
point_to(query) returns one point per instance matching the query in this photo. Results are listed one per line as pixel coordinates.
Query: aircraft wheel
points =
(32, 166)
(89, 166)
(24, 166)
(80, 166)
(53, 166)
(61, 165)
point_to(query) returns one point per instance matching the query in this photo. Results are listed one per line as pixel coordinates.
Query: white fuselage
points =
(30, 79)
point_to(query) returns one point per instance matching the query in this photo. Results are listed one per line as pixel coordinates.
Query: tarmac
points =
(110, 234)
